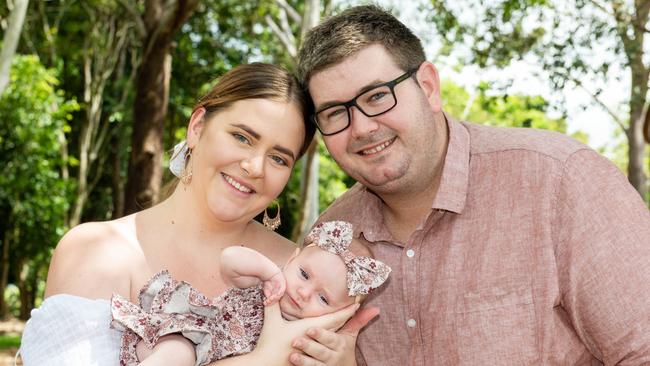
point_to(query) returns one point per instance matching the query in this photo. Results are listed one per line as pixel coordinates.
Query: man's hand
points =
(274, 345)
(325, 347)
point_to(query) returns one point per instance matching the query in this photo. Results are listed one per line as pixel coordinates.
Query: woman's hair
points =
(259, 81)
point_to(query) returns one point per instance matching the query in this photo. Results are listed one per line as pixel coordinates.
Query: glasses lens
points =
(332, 119)
(376, 101)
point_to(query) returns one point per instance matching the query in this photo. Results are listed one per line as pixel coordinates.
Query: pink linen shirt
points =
(536, 251)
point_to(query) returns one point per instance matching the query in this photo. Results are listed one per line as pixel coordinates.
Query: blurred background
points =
(95, 93)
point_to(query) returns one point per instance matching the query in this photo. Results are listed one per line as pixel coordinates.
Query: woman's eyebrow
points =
(247, 129)
(285, 151)
(256, 135)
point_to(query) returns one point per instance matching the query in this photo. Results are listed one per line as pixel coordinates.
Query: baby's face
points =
(316, 284)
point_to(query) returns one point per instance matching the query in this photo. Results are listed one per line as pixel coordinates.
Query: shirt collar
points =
(451, 196)
(454, 182)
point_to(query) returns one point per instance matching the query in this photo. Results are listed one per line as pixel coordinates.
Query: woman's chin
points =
(229, 214)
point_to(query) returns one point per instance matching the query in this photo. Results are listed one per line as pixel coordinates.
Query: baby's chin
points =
(285, 314)
(289, 317)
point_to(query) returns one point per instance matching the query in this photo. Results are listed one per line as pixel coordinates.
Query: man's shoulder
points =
(347, 206)
(490, 139)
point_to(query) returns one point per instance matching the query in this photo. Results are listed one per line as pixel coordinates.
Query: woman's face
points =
(243, 156)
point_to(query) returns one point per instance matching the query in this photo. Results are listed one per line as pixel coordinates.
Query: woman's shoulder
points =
(271, 244)
(94, 260)
(94, 239)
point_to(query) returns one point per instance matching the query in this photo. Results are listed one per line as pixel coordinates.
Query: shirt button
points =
(411, 323)
(410, 253)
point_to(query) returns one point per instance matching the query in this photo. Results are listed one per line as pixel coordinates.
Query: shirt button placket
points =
(411, 323)
(410, 253)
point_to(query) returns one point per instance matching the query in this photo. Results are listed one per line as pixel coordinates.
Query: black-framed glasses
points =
(377, 100)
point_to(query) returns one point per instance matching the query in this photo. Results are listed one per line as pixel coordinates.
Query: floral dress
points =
(226, 326)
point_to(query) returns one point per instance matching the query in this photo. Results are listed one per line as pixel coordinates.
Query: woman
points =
(243, 140)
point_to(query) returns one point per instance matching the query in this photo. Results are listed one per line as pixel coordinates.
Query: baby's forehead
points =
(314, 252)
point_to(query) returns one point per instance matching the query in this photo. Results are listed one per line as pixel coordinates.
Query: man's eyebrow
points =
(247, 129)
(373, 84)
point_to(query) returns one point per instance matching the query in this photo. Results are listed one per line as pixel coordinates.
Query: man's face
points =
(395, 152)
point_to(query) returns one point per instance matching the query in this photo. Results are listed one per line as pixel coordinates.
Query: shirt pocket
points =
(496, 326)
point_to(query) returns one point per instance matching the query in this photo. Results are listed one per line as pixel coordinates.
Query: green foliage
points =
(500, 110)
(498, 33)
(33, 196)
(12, 297)
(332, 180)
(9, 341)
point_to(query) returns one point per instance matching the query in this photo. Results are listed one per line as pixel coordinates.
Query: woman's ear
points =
(429, 81)
(195, 128)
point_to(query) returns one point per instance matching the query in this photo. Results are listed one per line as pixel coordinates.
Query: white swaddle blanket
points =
(70, 330)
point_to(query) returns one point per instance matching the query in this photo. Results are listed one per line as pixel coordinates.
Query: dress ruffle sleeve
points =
(226, 326)
(72, 331)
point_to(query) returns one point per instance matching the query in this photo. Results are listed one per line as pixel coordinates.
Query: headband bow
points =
(363, 273)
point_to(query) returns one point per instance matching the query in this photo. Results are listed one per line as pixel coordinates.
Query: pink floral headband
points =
(363, 273)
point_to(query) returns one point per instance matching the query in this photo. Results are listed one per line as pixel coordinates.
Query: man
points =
(508, 246)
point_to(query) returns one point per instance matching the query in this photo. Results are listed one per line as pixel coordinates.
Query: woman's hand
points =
(275, 343)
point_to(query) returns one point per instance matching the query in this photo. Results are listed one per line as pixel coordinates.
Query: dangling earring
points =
(271, 223)
(186, 175)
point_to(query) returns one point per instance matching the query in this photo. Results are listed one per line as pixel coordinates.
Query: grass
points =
(9, 341)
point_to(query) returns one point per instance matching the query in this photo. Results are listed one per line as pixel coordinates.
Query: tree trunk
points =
(10, 40)
(20, 273)
(308, 192)
(636, 143)
(637, 151)
(117, 182)
(632, 36)
(104, 46)
(4, 273)
(161, 21)
(145, 169)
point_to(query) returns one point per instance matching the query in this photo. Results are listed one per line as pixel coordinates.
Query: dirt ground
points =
(10, 327)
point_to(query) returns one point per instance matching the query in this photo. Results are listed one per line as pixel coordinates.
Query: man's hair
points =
(345, 34)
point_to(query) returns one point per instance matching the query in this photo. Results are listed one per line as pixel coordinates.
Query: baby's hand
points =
(274, 288)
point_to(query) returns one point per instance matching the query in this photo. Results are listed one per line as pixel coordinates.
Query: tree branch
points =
(293, 14)
(600, 103)
(288, 45)
(137, 20)
(10, 41)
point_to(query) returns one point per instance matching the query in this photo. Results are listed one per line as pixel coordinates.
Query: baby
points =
(175, 324)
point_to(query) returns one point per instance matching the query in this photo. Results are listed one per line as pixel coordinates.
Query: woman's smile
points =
(238, 185)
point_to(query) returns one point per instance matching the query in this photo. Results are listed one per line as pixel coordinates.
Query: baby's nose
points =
(303, 293)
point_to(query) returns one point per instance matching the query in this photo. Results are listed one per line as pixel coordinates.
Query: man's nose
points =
(360, 124)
